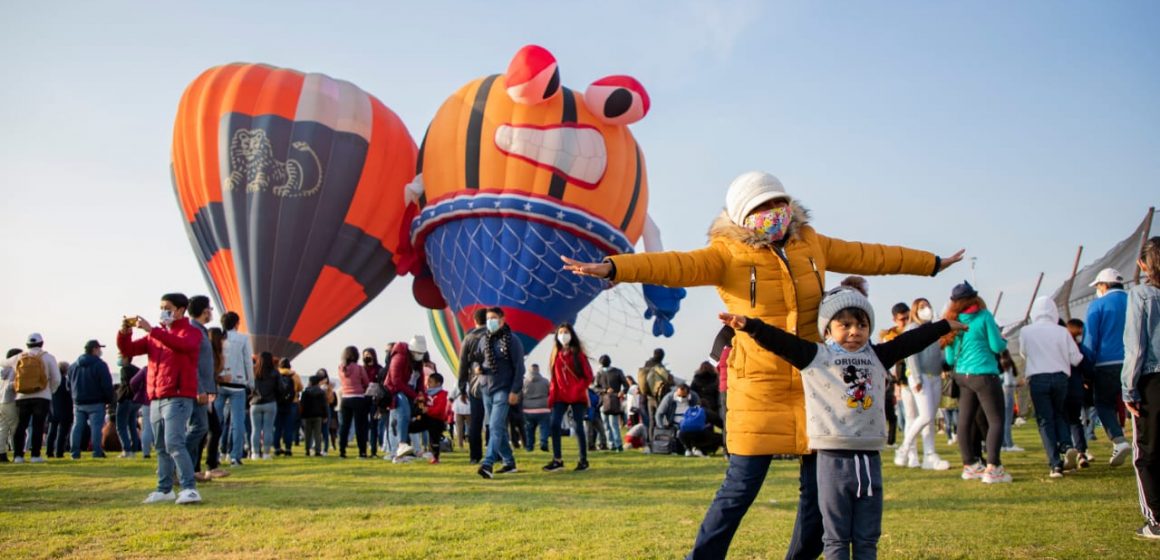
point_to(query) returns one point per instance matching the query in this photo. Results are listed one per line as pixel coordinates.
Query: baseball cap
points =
(93, 344)
(1108, 276)
(35, 338)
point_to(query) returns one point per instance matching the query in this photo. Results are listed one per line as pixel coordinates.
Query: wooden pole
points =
(1071, 283)
(998, 302)
(1144, 240)
(1027, 317)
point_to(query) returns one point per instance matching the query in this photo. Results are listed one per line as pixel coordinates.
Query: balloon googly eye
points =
(617, 100)
(533, 76)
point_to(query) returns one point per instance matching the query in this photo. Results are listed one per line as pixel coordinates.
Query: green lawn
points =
(628, 506)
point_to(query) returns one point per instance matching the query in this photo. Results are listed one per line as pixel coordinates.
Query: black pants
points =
(475, 430)
(980, 392)
(34, 412)
(707, 441)
(354, 409)
(724, 439)
(212, 439)
(1146, 428)
(516, 425)
(60, 434)
(891, 415)
(434, 429)
(1072, 409)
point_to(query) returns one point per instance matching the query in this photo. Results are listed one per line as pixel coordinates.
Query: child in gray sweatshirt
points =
(844, 380)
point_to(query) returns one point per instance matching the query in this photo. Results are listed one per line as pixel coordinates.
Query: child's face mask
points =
(773, 223)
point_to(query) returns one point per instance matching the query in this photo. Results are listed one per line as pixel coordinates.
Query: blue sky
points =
(1015, 130)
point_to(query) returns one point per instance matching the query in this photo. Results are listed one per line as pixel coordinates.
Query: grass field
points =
(628, 506)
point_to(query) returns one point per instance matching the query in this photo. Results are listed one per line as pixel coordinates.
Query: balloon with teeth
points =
(515, 171)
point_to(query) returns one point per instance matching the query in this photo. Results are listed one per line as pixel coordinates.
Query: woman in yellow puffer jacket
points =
(767, 262)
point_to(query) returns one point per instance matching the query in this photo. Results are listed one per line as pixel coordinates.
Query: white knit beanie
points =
(750, 190)
(839, 299)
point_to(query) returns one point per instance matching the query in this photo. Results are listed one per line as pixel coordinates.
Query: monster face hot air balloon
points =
(517, 171)
(290, 185)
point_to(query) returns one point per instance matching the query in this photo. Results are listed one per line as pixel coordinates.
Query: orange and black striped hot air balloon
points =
(291, 189)
(515, 172)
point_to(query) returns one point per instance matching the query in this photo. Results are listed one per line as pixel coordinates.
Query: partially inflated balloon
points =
(290, 186)
(518, 171)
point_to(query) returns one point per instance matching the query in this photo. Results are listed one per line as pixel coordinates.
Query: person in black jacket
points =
(470, 359)
(314, 413)
(91, 385)
(127, 410)
(263, 407)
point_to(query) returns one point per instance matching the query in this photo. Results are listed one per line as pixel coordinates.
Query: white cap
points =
(750, 190)
(35, 338)
(1108, 276)
(418, 344)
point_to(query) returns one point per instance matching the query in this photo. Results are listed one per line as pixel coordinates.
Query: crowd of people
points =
(797, 363)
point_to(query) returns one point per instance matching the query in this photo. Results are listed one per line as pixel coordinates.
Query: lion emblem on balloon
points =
(253, 166)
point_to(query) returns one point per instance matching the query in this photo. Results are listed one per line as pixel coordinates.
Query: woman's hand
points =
(735, 321)
(917, 388)
(947, 262)
(956, 326)
(594, 270)
(1133, 407)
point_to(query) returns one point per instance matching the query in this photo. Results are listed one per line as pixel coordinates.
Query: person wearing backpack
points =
(612, 387)
(91, 385)
(36, 376)
(470, 368)
(286, 419)
(568, 393)
(655, 381)
(8, 412)
(681, 410)
(173, 387)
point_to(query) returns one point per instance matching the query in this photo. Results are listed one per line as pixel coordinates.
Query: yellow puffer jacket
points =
(766, 401)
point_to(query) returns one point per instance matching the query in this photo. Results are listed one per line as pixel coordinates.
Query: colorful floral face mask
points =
(772, 223)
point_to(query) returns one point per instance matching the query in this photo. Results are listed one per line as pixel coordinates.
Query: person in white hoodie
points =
(36, 377)
(236, 377)
(1050, 352)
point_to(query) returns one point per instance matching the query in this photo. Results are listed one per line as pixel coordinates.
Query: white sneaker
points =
(900, 457)
(1119, 454)
(17, 460)
(124, 455)
(1071, 459)
(1019, 421)
(323, 454)
(997, 475)
(1015, 449)
(933, 462)
(428, 455)
(1090, 457)
(698, 453)
(35, 460)
(189, 496)
(954, 439)
(255, 456)
(404, 450)
(158, 497)
(688, 453)
(973, 472)
(912, 459)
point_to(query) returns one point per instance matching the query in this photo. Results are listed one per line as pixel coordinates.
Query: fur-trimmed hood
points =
(723, 227)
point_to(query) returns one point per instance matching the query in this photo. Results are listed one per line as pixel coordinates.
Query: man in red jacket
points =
(171, 383)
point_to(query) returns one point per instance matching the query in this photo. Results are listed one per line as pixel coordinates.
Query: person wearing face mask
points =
(568, 393)
(845, 379)
(470, 369)
(501, 382)
(922, 394)
(612, 386)
(406, 374)
(765, 260)
(1104, 340)
(172, 384)
(377, 407)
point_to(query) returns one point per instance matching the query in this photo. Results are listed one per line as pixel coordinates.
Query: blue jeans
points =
(532, 421)
(198, 428)
(1009, 417)
(612, 425)
(743, 480)
(851, 503)
(499, 445)
(146, 429)
(170, 421)
(399, 423)
(1048, 391)
(578, 412)
(93, 417)
(262, 417)
(1106, 390)
(285, 426)
(235, 399)
(127, 431)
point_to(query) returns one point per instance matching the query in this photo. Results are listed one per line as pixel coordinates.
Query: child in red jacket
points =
(432, 413)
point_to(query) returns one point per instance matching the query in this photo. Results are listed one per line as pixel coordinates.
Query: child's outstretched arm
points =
(916, 340)
(797, 351)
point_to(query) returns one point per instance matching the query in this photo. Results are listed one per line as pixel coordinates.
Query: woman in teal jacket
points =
(974, 356)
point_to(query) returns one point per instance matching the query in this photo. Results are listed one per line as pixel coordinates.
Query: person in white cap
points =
(36, 376)
(766, 262)
(1103, 340)
(407, 373)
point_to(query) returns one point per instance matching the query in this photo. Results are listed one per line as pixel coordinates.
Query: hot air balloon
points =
(290, 187)
(517, 171)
